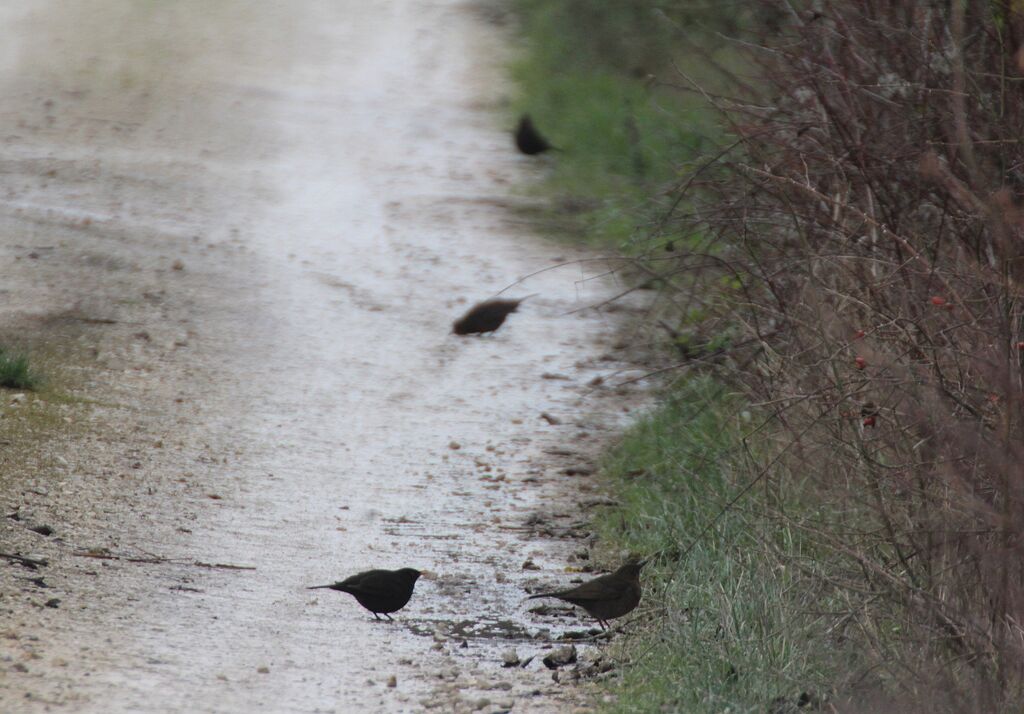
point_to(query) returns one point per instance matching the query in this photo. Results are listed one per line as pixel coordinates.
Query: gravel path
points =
(238, 234)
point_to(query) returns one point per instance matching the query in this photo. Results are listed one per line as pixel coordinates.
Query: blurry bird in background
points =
(487, 316)
(529, 140)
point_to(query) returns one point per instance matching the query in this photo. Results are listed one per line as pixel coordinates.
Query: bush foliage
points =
(849, 256)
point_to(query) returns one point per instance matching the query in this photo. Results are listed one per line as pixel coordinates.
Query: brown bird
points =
(529, 140)
(487, 316)
(379, 591)
(607, 596)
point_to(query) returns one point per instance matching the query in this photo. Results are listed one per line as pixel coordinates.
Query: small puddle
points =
(504, 631)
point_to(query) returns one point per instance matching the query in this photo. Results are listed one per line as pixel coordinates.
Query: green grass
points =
(594, 78)
(730, 624)
(727, 626)
(15, 372)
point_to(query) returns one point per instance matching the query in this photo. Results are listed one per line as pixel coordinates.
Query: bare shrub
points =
(864, 237)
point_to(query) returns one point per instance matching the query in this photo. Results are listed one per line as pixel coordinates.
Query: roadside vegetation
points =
(588, 82)
(15, 372)
(830, 201)
(726, 625)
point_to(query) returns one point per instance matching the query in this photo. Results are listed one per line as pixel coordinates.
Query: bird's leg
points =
(390, 619)
(602, 623)
(376, 616)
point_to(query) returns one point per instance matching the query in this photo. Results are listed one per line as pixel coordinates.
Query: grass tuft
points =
(15, 372)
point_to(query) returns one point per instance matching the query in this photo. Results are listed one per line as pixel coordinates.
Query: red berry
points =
(949, 306)
(860, 362)
(858, 334)
(1020, 345)
(869, 421)
(938, 300)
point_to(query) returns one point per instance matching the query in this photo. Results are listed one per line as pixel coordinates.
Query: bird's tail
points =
(534, 597)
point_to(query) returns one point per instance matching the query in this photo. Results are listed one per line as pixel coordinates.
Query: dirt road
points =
(237, 233)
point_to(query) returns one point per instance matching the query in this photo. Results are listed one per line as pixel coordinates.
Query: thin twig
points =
(158, 560)
(28, 562)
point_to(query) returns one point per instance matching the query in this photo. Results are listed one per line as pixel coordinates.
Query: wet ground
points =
(238, 233)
